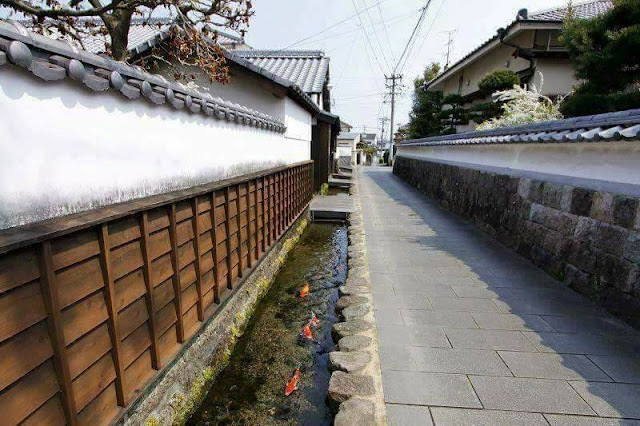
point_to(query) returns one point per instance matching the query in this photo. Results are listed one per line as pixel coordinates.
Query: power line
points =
(375, 35)
(331, 26)
(406, 52)
(393, 59)
(367, 37)
(424, 39)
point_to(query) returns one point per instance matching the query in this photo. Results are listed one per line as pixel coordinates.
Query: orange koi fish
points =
(293, 383)
(305, 291)
(306, 332)
(314, 321)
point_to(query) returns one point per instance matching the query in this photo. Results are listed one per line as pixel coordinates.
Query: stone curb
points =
(356, 382)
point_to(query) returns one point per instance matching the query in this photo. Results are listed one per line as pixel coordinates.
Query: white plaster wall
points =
(298, 121)
(558, 76)
(614, 163)
(64, 143)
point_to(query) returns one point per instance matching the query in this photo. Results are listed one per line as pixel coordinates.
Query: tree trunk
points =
(118, 23)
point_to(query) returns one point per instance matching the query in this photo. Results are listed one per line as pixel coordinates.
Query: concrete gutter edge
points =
(356, 382)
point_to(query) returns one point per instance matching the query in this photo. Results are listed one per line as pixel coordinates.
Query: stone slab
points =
(462, 361)
(415, 388)
(531, 395)
(464, 417)
(408, 415)
(620, 369)
(490, 339)
(611, 399)
(552, 366)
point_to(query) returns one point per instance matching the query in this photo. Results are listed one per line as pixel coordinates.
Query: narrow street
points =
(471, 333)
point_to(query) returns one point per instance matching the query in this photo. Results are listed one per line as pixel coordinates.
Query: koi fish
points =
(305, 291)
(293, 383)
(314, 321)
(306, 332)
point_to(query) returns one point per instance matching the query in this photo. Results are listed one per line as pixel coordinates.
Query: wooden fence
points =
(95, 305)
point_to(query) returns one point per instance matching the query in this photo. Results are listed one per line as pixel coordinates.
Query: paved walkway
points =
(470, 333)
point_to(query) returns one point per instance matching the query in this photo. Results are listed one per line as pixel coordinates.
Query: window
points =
(547, 40)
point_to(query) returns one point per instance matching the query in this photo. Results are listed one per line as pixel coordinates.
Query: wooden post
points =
(177, 288)
(227, 226)
(270, 208)
(214, 248)
(249, 250)
(255, 216)
(54, 324)
(239, 235)
(112, 311)
(264, 214)
(281, 202)
(156, 362)
(196, 236)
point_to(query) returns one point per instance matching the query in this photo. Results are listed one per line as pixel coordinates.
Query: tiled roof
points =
(53, 60)
(585, 10)
(623, 125)
(305, 68)
(348, 136)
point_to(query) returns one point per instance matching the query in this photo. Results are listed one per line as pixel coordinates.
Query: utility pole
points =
(449, 45)
(383, 123)
(395, 79)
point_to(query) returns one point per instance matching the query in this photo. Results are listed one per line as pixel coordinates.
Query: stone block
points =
(346, 301)
(602, 207)
(581, 201)
(619, 273)
(579, 280)
(586, 230)
(356, 411)
(565, 200)
(552, 195)
(582, 255)
(624, 211)
(354, 343)
(343, 386)
(355, 312)
(524, 187)
(632, 248)
(611, 239)
(349, 361)
(350, 328)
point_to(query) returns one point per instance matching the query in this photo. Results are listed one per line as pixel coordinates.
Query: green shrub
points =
(497, 81)
(584, 102)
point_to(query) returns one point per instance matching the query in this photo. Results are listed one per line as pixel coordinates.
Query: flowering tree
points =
(191, 33)
(522, 106)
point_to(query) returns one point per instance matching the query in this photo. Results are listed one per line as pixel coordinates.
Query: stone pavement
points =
(471, 333)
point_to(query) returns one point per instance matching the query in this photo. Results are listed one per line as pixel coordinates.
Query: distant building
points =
(345, 127)
(530, 46)
(348, 149)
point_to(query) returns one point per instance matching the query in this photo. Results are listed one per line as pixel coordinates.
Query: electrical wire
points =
(375, 35)
(411, 41)
(375, 56)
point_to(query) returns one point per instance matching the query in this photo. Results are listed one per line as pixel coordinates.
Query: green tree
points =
(497, 81)
(605, 52)
(425, 113)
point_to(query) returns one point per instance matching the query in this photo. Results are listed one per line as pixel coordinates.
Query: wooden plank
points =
(214, 252)
(158, 243)
(84, 316)
(130, 288)
(196, 233)
(264, 215)
(21, 308)
(134, 345)
(123, 231)
(22, 399)
(169, 345)
(78, 281)
(270, 210)
(161, 269)
(139, 374)
(149, 296)
(227, 226)
(162, 295)
(132, 317)
(126, 259)
(255, 223)
(166, 318)
(239, 232)
(23, 353)
(92, 382)
(83, 353)
(74, 248)
(54, 323)
(112, 322)
(50, 413)
(249, 234)
(177, 292)
(17, 268)
(102, 410)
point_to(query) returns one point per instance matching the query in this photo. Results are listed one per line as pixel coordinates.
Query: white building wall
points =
(611, 166)
(62, 144)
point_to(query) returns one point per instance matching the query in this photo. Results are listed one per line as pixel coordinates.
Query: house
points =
(292, 86)
(345, 127)
(529, 46)
(348, 149)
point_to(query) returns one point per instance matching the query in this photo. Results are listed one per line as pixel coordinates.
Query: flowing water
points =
(250, 390)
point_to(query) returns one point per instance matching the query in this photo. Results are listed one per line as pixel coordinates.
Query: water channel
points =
(251, 389)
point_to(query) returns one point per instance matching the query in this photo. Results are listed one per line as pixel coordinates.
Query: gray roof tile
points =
(622, 125)
(305, 68)
(585, 10)
(51, 60)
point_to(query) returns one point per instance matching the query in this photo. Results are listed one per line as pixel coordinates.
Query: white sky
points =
(355, 74)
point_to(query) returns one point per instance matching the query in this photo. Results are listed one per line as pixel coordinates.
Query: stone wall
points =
(588, 239)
